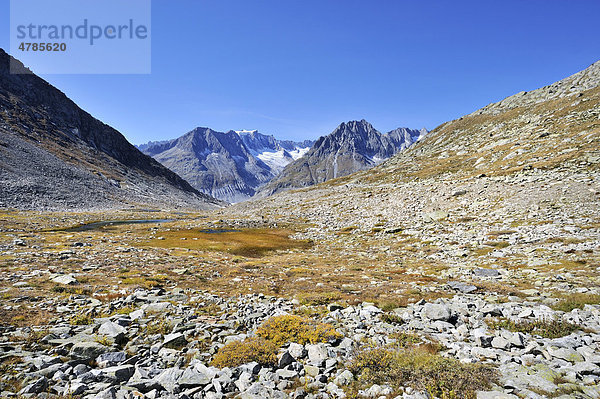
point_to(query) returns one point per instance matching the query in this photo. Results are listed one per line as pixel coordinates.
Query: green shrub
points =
(290, 328)
(254, 349)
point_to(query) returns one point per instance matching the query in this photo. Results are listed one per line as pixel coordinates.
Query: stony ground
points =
(144, 309)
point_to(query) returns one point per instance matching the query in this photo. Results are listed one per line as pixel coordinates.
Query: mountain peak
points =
(230, 165)
(246, 132)
(352, 146)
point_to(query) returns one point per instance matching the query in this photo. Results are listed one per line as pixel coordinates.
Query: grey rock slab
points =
(344, 378)
(108, 393)
(88, 350)
(174, 340)
(570, 355)
(481, 272)
(38, 386)
(157, 307)
(285, 359)
(169, 379)
(260, 391)
(192, 377)
(297, 351)
(110, 359)
(495, 395)
(311, 370)
(462, 287)
(76, 388)
(119, 373)
(540, 382)
(518, 340)
(286, 374)
(500, 343)
(436, 311)
(435, 216)
(65, 279)
(584, 368)
(317, 353)
(113, 331)
(244, 381)
(369, 311)
(252, 368)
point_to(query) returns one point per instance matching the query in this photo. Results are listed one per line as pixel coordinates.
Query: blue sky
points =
(296, 69)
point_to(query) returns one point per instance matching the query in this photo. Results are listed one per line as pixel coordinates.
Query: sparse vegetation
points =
(416, 367)
(391, 318)
(81, 320)
(255, 349)
(546, 328)
(576, 301)
(405, 340)
(208, 310)
(251, 243)
(159, 327)
(318, 298)
(290, 328)
(102, 340)
(387, 305)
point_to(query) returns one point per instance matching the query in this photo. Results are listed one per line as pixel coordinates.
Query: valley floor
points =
(446, 287)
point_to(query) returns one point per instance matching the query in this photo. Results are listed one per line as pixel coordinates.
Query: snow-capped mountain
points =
(351, 147)
(230, 166)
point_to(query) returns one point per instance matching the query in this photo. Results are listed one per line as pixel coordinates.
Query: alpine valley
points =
(458, 263)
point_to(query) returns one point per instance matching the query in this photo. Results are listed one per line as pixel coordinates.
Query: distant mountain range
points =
(236, 165)
(351, 147)
(230, 166)
(54, 155)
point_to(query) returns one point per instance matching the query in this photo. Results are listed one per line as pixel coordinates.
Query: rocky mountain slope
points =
(229, 166)
(216, 163)
(351, 147)
(503, 201)
(54, 155)
(514, 186)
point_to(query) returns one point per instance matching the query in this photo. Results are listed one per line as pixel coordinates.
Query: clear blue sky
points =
(296, 69)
